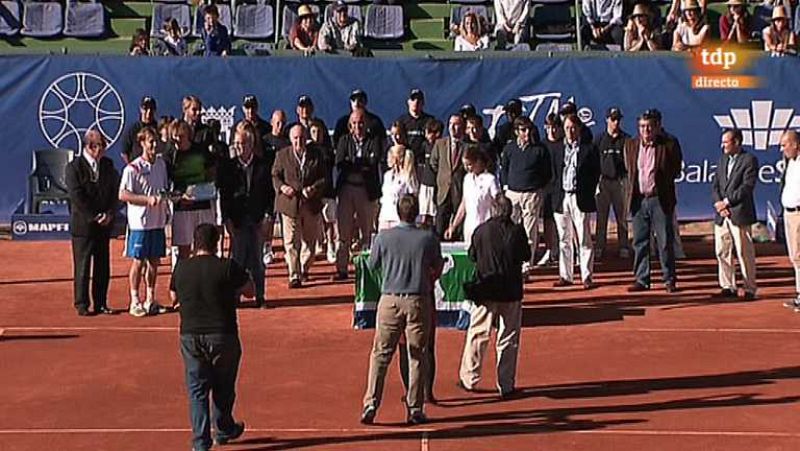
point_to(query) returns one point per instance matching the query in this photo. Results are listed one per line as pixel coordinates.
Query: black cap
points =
(250, 101)
(514, 106)
(568, 108)
(340, 5)
(467, 109)
(416, 93)
(614, 113)
(305, 100)
(358, 93)
(655, 114)
(148, 102)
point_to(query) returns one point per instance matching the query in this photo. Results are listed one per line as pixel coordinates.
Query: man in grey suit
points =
(732, 191)
(446, 164)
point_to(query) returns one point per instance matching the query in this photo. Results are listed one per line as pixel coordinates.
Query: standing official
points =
(652, 163)
(499, 248)
(790, 199)
(93, 183)
(613, 179)
(735, 212)
(446, 163)
(409, 259)
(208, 288)
(246, 194)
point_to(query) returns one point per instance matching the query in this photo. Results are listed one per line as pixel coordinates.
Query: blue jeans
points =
(647, 220)
(212, 364)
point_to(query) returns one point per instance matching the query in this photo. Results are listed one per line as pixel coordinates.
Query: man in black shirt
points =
(415, 119)
(250, 109)
(131, 149)
(305, 115)
(613, 179)
(499, 248)
(207, 289)
(374, 124)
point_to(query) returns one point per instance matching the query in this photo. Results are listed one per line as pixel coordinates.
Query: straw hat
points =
(689, 4)
(779, 12)
(640, 10)
(304, 10)
(736, 3)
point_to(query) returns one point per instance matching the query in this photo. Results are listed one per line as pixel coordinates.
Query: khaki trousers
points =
(727, 237)
(354, 211)
(612, 193)
(574, 223)
(527, 206)
(507, 317)
(300, 241)
(791, 222)
(397, 314)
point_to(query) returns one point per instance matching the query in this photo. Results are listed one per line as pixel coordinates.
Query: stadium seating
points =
(224, 17)
(47, 181)
(10, 18)
(42, 19)
(254, 21)
(84, 19)
(170, 10)
(384, 22)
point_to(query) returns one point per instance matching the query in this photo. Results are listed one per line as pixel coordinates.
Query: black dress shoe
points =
(562, 283)
(589, 285)
(293, 284)
(223, 439)
(726, 293)
(416, 418)
(83, 311)
(671, 288)
(749, 296)
(339, 276)
(637, 287)
(368, 415)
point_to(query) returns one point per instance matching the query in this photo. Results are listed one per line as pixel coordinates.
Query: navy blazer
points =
(588, 176)
(738, 188)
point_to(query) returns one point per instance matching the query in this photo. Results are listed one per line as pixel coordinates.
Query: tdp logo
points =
(718, 58)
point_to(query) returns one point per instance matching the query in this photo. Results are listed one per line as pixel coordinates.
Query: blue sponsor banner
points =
(49, 101)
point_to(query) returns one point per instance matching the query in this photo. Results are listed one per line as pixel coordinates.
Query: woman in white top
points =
(399, 180)
(480, 188)
(471, 37)
(778, 36)
(173, 37)
(692, 30)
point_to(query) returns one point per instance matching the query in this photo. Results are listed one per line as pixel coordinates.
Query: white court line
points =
(425, 432)
(93, 329)
(717, 329)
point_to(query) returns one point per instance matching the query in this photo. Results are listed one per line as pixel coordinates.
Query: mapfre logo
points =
(762, 124)
(20, 228)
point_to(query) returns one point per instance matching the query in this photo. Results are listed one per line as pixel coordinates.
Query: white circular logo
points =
(77, 102)
(20, 227)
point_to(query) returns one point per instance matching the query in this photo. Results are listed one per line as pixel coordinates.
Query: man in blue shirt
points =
(216, 41)
(410, 260)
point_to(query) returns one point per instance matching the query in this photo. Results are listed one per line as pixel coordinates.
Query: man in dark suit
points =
(652, 164)
(576, 173)
(358, 160)
(93, 183)
(245, 189)
(735, 212)
(298, 177)
(446, 164)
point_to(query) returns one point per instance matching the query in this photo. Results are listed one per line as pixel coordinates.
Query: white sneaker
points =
(153, 308)
(268, 256)
(136, 309)
(526, 268)
(331, 254)
(544, 260)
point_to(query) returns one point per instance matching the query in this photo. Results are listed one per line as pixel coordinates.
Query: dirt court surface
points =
(598, 370)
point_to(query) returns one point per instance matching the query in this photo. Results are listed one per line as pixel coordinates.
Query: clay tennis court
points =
(599, 370)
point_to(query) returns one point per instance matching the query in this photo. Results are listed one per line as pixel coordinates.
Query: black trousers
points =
(90, 256)
(446, 212)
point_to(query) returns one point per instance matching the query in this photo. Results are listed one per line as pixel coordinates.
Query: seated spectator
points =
(736, 26)
(762, 14)
(216, 40)
(640, 34)
(472, 36)
(603, 22)
(140, 43)
(675, 12)
(692, 30)
(340, 32)
(304, 33)
(512, 21)
(779, 39)
(172, 41)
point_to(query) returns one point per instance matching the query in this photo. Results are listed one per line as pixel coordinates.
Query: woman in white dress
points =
(399, 180)
(480, 188)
